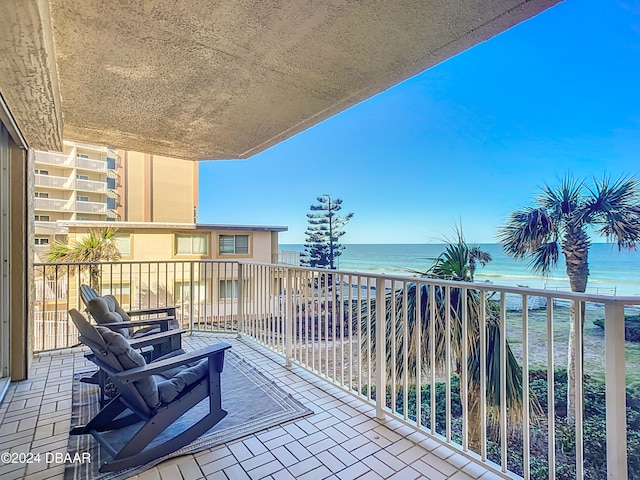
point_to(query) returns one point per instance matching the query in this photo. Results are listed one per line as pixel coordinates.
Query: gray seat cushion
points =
(171, 388)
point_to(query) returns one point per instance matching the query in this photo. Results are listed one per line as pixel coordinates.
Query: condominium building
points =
(96, 184)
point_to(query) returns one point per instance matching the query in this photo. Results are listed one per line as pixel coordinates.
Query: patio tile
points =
(354, 471)
(260, 472)
(284, 456)
(330, 461)
(240, 451)
(257, 461)
(298, 450)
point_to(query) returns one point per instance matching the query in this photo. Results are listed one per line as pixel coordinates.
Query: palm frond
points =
(613, 207)
(563, 199)
(526, 230)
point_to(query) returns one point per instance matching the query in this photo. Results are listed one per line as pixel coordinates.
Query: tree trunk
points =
(576, 250)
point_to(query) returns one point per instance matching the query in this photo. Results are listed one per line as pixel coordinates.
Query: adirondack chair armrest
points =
(154, 339)
(154, 311)
(214, 353)
(163, 322)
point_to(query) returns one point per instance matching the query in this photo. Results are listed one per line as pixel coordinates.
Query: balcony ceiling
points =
(219, 80)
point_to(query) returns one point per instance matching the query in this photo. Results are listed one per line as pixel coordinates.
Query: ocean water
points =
(610, 271)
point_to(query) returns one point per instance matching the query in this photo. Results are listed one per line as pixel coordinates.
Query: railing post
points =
(191, 305)
(288, 319)
(240, 312)
(615, 390)
(381, 349)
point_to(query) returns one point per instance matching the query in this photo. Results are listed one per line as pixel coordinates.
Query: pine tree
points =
(324, 231)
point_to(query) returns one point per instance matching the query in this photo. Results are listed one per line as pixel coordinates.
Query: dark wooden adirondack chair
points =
(106, 310)
(156, 394)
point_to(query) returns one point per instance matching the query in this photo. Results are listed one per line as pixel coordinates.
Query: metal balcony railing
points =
(49, 158)
(53, 181)
(90, 207)
(290, 257)
(461, 362)
(91, 164)
(90, 185)
(53, 204)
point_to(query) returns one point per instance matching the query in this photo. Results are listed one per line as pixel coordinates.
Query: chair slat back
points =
(87, 294)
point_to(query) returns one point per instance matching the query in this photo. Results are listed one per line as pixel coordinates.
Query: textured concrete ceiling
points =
(220, 80)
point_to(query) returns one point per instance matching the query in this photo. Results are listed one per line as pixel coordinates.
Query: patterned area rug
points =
(253, 403)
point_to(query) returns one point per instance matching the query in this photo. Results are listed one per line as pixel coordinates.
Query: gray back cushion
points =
(106, 310)
(130, 358)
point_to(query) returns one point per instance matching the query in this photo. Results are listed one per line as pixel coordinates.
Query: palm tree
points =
(558, 222)
(452, 264)
(98, 245)
(477, 256)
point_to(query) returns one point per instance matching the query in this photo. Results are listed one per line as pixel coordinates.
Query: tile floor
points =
(342, 440)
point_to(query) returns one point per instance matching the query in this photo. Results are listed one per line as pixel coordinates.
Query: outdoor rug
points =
(253, 403)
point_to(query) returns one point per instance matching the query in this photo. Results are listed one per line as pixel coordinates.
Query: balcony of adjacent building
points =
(70, 183)
(71, 160)
(78, 205)
(332, 338)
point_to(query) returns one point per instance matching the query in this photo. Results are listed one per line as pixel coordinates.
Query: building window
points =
(83, 155)
(186, 292)
(191, 244)
(122, 291)
(41, 240)
(111, 183)
(111, 163)
(123, 242)
(111, 203)
(82, 198)
(82, 177)
(42, 218)
(42, 195)
(234, 244)
(228, 289)
(83, 219)
(42, 172)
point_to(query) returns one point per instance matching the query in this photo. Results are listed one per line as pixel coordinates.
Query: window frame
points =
(235, 253)
(128, 254)
(207, 243)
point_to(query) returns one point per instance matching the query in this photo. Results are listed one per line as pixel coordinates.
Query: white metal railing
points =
(290, 257)
(52, 181)
(53, 204)
(90, 185)
(91, 164)
(90, 207)
(453, 361)
(50, 158)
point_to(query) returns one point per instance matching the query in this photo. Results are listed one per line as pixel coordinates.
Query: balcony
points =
(90, 207)
(91, 164)
(48, 158)
(52, 181)
(290, 257)
(335, 332)
(90, 185)
(53, 204)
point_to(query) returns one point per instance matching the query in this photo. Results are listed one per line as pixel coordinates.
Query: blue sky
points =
(465, 142)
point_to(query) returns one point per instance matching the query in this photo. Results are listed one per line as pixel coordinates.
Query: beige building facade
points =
(192, 266)
(91, 183)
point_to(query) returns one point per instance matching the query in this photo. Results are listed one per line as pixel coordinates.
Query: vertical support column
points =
(288, 318)
(241, 294)
(381, 349)
(615, 390)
